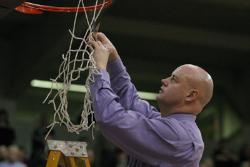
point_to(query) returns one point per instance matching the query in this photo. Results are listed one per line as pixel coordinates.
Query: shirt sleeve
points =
(125, 89)
(150, 140)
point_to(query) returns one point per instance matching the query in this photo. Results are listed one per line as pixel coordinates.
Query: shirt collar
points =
(182, 116)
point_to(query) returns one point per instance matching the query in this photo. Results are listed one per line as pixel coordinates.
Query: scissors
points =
(96, 27)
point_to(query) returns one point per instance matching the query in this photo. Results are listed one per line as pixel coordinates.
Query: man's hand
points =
(101, 53)
(108, 44)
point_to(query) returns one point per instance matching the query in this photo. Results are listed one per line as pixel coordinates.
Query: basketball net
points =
(74, 62)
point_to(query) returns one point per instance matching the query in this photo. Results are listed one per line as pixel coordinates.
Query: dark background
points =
(153, 38)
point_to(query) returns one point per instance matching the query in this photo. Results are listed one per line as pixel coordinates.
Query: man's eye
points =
(172, 79)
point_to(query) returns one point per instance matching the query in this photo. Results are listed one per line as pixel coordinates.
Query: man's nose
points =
(164, 81)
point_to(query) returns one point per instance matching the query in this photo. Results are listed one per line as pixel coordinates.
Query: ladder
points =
(67, 153)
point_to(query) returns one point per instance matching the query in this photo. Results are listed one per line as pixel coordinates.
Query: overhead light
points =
(147, 95)
(81, 88)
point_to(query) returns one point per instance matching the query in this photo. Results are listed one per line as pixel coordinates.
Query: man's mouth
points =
(161, 90)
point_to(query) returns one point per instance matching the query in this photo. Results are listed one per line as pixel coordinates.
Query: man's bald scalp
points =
(200, 79)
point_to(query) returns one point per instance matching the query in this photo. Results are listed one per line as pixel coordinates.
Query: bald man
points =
(169, 138)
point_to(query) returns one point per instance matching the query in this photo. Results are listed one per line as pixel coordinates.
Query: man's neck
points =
(183, 110)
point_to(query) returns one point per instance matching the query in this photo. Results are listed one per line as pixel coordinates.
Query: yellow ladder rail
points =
(66, 153)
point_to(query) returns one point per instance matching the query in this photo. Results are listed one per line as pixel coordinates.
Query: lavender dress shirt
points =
(138, 128)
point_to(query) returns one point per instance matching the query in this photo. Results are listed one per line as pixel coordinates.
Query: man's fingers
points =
(98, 40)
(96, 44)
(93, 43)
(99, 43)
(102, 37)
(102, 45)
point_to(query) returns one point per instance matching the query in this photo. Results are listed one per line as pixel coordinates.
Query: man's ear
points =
(192, 95)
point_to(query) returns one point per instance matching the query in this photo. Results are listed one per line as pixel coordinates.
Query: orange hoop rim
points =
(33, 8)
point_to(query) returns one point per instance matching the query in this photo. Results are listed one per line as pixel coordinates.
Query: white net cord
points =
(74, 62)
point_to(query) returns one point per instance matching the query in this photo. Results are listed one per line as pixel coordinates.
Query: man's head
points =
(14, 153)
(187, 90)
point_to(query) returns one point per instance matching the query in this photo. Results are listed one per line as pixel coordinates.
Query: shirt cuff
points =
(115, 67)
(102, 79)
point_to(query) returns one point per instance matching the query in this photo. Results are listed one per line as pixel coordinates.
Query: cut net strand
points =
(74, 62)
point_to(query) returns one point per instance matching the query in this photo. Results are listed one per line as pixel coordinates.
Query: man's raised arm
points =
(121, 82)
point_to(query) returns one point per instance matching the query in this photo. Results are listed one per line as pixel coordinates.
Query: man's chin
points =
(158, 97)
